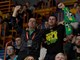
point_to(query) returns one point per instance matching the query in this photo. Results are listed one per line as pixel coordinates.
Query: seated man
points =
(11, 53)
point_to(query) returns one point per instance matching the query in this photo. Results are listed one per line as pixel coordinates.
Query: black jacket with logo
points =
(56, 33)
(35, 49)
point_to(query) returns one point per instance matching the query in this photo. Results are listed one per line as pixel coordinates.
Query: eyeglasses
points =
(10, 49)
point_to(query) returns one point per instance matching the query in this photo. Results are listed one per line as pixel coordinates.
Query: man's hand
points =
(17, 8)
(15, 11)
(61, 5)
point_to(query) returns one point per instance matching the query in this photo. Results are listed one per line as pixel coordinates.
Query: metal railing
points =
(6, 6)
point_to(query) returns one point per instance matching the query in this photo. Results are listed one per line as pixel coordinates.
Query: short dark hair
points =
(18, 35)
(54, 16)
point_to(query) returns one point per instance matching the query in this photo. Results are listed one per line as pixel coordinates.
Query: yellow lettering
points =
(52, 36)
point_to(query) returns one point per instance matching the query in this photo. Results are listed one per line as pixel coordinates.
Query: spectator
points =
(29, 6)
(29, 58)
(3, 27)
(18, 44)
(77, 15)
(11, 53)
(74, 50)
(77, 47)
(41, 4)
(27, 10)
(31, 38)
(46, 25)
(53, 38)
(68, 46)
(7, 19)
(60, 56)
(73, 10)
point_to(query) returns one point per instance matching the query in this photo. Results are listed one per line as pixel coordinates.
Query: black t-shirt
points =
(56, 35)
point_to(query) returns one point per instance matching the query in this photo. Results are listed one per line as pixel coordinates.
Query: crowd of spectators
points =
(45, 41)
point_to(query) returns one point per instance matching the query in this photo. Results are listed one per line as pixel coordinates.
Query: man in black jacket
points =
(31, 38)
(54, 36)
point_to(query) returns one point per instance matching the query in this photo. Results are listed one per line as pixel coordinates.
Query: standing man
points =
(31, 38)
(55, 34)
(53, 38)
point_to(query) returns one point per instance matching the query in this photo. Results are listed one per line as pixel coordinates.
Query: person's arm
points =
(16, 9)
(68, 17)
(69, 21)
(15, 15)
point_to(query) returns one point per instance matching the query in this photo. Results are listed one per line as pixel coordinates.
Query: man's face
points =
(18, 41)
(52, 20)
(60, 56)
(32, 23)
(77, 40)
(10, 50)
(46, 25)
